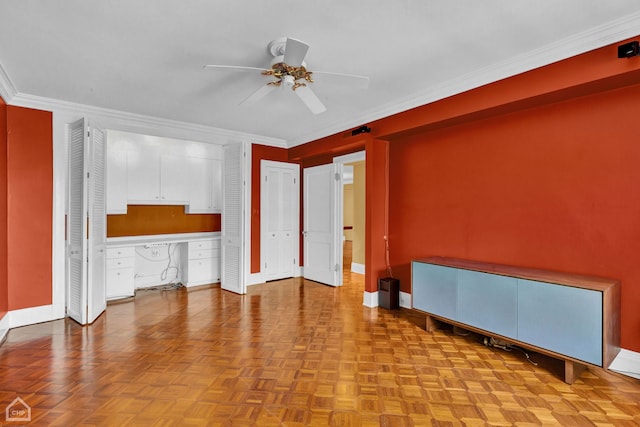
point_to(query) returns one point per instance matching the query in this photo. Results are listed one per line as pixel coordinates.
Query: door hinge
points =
(265, 178)
(87, 174)
(337, 268)
(337, 176)
(88, 133)
(294, 261)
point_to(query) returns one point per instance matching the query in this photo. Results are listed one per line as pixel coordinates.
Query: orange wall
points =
(4, 287)
(142, 220)
(258, 153)
(29, 207)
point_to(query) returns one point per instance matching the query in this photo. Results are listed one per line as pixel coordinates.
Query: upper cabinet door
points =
(116, 182)
(174, 179)
(205, 187)
(143, 177)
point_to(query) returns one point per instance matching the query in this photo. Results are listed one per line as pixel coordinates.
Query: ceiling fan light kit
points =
(289, 69)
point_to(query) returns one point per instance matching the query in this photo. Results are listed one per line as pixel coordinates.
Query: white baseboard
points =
(357, 268)
(405, 300)
(255, 279)
(627, 362)
(33, 315)
(370, 299)
(4, 327)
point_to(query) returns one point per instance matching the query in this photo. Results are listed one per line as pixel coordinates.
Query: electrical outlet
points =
(155, 253)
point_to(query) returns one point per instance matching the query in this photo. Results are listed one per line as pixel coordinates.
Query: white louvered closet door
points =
(233, 219)
(86, 224)
(77, 224)
(96, 285)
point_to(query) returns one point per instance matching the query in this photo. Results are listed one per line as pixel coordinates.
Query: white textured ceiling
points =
(146, 56)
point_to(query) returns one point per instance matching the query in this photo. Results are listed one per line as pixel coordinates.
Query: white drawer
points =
(115, 263)
(204, 254)
(121, 252)
(120, 283)
(203, 270)
(204, 244)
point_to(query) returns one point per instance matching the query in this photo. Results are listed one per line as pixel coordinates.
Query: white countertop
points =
(160, 238)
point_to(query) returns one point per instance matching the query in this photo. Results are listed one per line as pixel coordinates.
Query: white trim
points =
(359, 156)
(5, 325)
(357, 268)
(594, 38)
(247, 173)
(255, 279)
(7, 88)
(370, 299)
(405, 300)
(627, 362)
(33, 315)
(138, 123)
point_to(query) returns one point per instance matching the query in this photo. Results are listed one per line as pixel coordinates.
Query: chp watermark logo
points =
(18, 410)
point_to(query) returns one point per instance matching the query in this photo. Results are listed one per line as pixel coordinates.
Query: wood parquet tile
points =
(289, 353)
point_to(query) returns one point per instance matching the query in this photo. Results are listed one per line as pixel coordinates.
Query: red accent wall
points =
(258, 153)
(29, 207)
(4, 284)
(555, 187)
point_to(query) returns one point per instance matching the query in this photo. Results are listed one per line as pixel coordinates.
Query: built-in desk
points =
(199, 261)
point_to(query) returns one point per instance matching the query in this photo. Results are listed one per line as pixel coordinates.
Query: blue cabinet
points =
(440, 291)
(563, 319)
(570, 316)
(488, 302)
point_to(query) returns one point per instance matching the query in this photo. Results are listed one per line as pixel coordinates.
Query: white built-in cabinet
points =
(120, 272)
(202, 261)
(160, 171)
(116, 181)
(206, 196)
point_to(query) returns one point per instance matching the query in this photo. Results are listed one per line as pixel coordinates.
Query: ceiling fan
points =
(289, 70)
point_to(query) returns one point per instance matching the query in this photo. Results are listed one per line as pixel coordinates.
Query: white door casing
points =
(279, 219)
(321, 262)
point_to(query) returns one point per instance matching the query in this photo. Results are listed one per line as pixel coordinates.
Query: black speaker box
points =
(389, 293)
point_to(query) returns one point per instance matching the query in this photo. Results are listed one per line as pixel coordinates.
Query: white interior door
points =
(232, 277)
(320, 228)
(86, 224)
(77, 224)
(279, 219)
(96, 285)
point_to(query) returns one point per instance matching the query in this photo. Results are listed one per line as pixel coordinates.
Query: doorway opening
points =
(351, 199)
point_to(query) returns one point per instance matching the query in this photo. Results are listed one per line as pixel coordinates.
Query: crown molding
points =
(122, 120)
(594, 38)
(7, 89)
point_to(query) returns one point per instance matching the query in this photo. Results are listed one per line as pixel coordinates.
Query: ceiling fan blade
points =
(258, 95)
(310, 99)
(235, 67)
(360, 82)
(294, 52)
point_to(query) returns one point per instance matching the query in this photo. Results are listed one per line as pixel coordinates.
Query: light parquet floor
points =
(289, 353)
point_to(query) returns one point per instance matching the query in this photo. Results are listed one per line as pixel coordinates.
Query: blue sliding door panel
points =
(563, 319)
(488, 301)
(434, 289)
